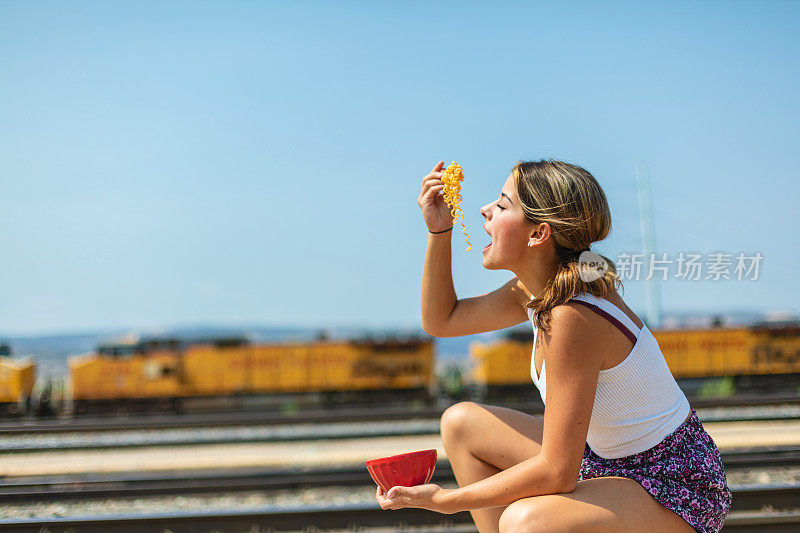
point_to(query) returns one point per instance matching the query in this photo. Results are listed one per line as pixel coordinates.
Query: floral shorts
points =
(683, 472)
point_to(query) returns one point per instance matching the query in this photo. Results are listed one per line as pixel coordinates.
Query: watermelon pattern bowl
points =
(405, 470)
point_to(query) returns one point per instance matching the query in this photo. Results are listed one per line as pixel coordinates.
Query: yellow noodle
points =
(452, 178)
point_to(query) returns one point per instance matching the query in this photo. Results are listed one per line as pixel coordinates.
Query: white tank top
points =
(638, 402)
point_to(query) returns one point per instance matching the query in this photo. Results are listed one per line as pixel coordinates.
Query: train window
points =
(166, 344)
(170, 344)
(385, 343)
(114, 350)
(124, 352)
(786, 328)
(231, 342)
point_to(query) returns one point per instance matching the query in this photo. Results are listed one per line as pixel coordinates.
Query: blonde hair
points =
(570, 200)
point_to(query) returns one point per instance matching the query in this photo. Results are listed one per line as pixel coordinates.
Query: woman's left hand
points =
(430, 496)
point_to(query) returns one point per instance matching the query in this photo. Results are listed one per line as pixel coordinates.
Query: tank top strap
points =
(529, 310)
(611, 312)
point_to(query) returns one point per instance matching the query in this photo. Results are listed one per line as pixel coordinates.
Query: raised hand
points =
(435, 210)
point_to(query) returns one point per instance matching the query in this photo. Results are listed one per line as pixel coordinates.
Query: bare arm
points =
(447, 316)
(572, 372)
(438, 294)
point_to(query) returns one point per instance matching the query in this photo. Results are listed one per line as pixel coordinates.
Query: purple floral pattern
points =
(683, 472)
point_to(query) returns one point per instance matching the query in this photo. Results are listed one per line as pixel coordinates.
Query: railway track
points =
(99, 486)
(216, 419)
(232, 435)
(345, 414)
(289, 432)
(745, 516)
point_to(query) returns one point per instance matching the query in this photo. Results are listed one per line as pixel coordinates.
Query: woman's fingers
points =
(432, 186)
(383, 501)
(429, 195)
(380, 497)
(430, 179)
(429, 189)
(433, 191)
(428, 183)
(433, 174)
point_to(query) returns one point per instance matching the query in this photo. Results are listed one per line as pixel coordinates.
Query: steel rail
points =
(348, 517)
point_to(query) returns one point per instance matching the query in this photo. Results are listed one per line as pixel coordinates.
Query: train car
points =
(502, 369)
(141, 373)
(170, 373)
(758, 357)
(358, 370)
(762, 356)
(390, 368)
(17, 377)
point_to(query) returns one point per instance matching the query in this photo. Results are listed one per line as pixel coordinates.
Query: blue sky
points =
(166, 163)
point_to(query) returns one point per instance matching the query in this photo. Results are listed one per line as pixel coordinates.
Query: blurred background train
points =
(17, 378)
(167, 373)
(714, 361)
(173, 374)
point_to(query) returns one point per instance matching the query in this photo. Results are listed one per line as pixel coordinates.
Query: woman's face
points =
(508, 228)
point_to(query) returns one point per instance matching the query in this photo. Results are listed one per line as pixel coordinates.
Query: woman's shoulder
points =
(572, 317)
(573, 320)
(572, 323)
(566, 315)
(572, 338)
(611, 303)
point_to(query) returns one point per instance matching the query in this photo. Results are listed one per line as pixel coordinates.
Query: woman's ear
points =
(539, 233)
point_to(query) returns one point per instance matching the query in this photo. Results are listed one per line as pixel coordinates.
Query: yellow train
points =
(17, 377)
(759, 356)
(167, 372)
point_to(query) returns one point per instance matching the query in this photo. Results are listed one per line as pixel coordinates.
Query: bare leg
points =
(481, 440)
(599, 505)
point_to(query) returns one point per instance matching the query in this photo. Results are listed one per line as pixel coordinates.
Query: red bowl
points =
(405, 470)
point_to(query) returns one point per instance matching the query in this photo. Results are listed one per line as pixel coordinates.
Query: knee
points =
(524, 516)
(456, 421)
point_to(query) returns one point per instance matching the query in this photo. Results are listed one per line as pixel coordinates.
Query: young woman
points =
(619, 447)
